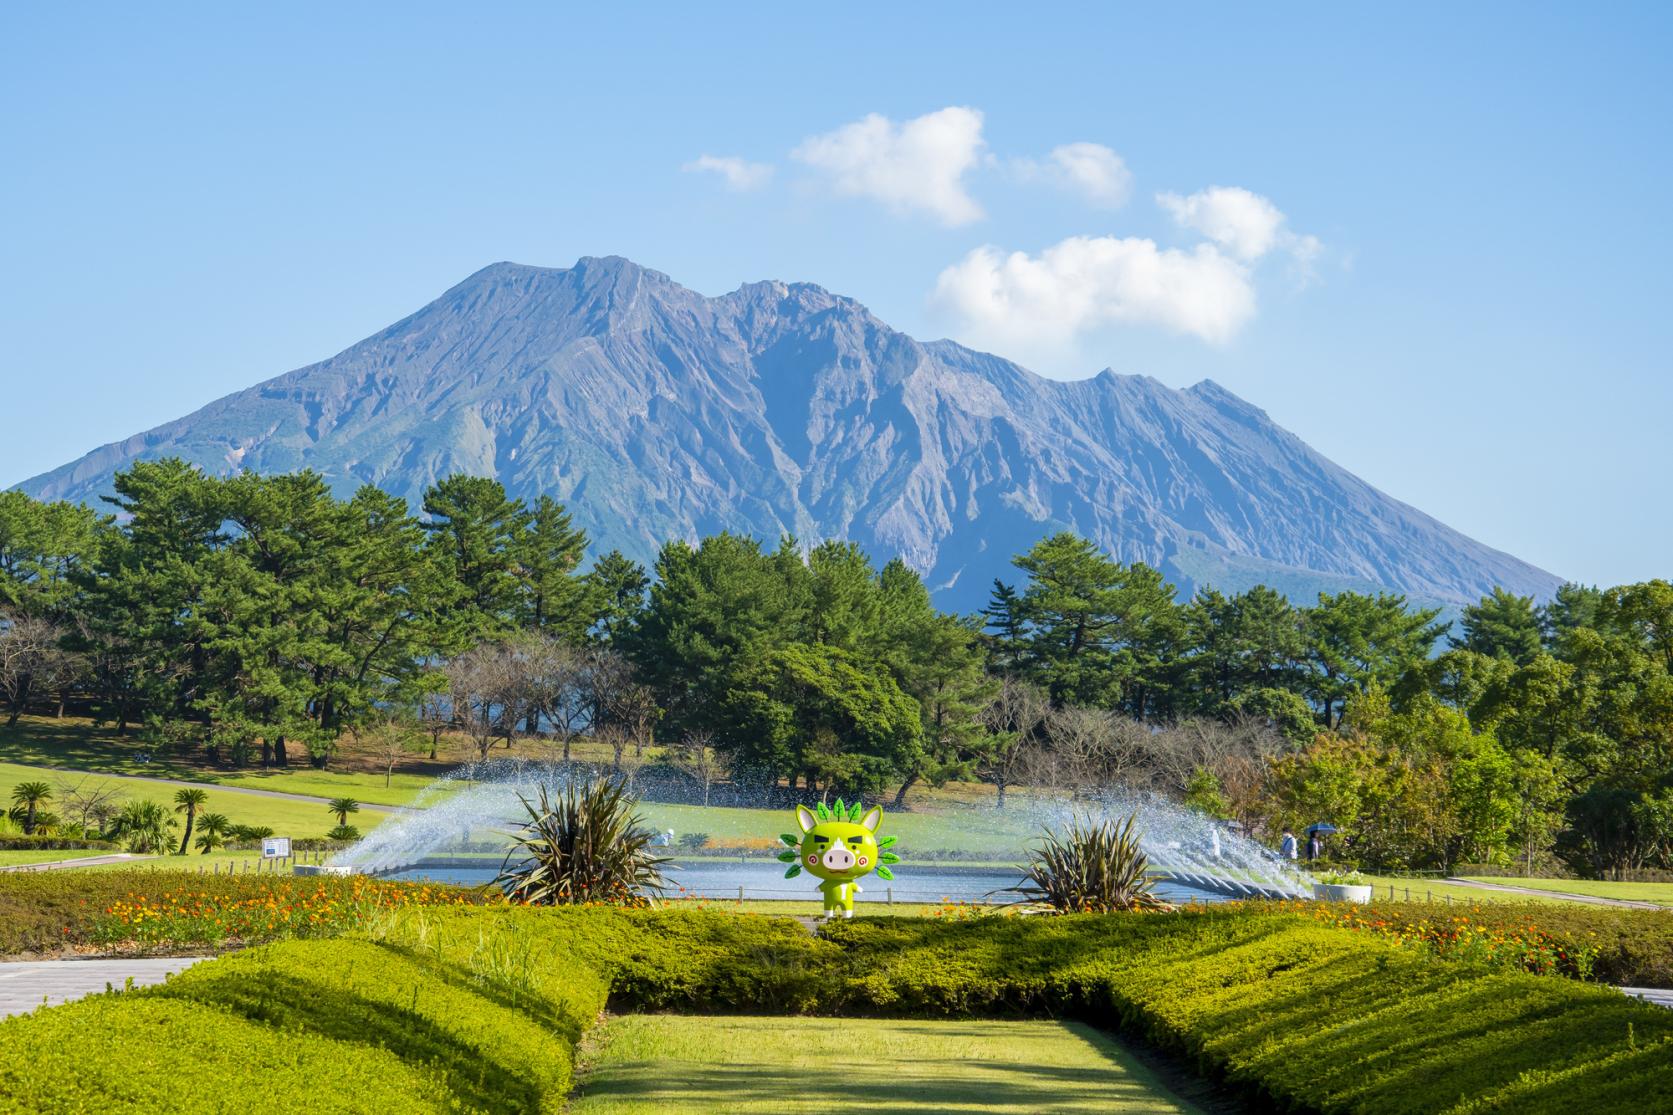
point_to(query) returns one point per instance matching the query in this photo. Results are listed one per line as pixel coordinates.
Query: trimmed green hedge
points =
(668, 958)
(496, 1049)
(19, 842)
(1299, 1015)
(138, 1053)
(486, 1003)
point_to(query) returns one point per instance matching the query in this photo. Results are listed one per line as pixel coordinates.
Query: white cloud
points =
(1244, 223)
(1086, 282)
(917, 165)
(1089, 169)
(739, 174)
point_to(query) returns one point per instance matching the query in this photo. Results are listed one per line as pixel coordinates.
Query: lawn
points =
(954, 818)
(1660, 893)
(287, 817)
(77, 744)
(669, 1062)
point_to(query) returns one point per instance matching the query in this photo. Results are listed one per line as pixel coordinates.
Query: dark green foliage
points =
(815, 709)
(1502, 625)
(259, 617)
(586, 845)
(16, 842)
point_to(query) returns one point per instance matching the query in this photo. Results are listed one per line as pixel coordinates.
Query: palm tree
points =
(188, 801)
(212, 832)
(343, 807)
(29, 797)
(144, 826)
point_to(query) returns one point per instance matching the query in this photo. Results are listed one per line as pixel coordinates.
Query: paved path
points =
(1535, 892)
(83, 861)
(1660, 996)
(24, 984)
(178, 782)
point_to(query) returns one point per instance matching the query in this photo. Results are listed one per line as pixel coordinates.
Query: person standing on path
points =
(1286, 846)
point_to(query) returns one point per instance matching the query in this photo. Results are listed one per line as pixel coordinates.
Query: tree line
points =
(262, 618)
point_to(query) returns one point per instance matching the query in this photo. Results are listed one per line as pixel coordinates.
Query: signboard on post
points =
(275, 847)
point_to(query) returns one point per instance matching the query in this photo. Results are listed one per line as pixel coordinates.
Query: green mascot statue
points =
(840, 846)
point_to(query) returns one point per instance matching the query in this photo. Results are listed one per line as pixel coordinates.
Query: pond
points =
(765, 880)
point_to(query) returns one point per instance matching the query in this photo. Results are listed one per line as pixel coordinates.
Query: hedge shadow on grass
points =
(492, 1056)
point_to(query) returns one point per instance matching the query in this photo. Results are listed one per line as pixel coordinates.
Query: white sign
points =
(275, 847)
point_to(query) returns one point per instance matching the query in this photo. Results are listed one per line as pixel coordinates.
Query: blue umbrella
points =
(1321, 827)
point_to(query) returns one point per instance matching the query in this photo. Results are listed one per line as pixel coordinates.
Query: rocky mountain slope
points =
(656, 412)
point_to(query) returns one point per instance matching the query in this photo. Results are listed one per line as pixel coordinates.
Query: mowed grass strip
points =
(822, 1066)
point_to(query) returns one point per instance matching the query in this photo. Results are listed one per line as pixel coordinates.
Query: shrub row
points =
(492, 1048)
(19, 842)
(136, 1053)
(483, 1005)
(465, 1018)
(1299, 1015)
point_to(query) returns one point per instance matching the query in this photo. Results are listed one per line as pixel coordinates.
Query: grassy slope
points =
(78, 745)
(1661, 893)
(651, 1063)
(292, 818)
(943, 820)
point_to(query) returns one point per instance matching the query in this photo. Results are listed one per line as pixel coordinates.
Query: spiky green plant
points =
(585, 845)
(29, 798)
(1089, 867)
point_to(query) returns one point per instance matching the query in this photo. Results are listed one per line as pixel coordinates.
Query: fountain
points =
(457, 831)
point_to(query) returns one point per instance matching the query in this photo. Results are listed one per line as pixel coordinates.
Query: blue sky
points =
(1430, 240)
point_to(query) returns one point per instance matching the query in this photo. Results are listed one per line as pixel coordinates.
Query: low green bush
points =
(489, 1041)
(18, 842)
(662, 958)
(1300, 1015)
(133, 1052)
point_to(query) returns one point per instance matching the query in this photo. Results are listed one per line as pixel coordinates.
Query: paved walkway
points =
(83, 861)
(25, 984)
(1660, 996)
(1535, 892)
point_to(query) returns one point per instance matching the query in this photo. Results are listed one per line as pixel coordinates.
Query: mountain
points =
(655, 412)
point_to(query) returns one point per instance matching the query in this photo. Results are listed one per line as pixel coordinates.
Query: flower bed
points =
(318, 906)
(82, 911)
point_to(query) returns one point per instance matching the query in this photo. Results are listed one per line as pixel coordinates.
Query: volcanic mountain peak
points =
(659, 413)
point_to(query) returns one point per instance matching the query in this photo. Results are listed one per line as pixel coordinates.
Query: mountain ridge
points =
(657, 412)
